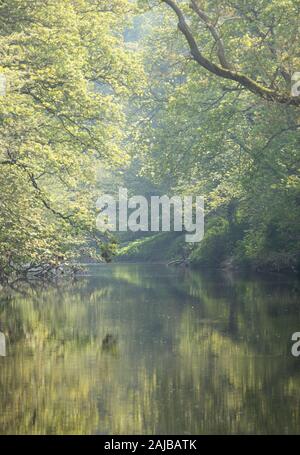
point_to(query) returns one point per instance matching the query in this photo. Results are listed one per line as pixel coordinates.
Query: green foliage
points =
(112, 85)
(215, 246)
(162, 247)
(68, 75)
(206, 135)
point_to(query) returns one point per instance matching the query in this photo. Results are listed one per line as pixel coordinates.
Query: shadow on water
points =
(146, 349)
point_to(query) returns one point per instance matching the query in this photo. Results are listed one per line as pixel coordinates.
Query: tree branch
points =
(35, 185)
(214, 32)
(225, 73)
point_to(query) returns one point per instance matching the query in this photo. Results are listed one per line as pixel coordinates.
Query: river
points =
(150, 349)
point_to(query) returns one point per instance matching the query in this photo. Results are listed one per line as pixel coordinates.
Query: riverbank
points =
(214, 252)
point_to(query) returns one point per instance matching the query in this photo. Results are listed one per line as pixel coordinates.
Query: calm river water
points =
(147, 349)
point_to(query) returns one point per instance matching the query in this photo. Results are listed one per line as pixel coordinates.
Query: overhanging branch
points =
(214, 32)
(226, 73)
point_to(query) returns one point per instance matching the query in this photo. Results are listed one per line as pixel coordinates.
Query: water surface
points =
(147, 349)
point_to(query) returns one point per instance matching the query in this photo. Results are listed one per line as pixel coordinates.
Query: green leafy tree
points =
(68, 75)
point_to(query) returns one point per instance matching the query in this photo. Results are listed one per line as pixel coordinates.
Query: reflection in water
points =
(150, 349)
(2, 345)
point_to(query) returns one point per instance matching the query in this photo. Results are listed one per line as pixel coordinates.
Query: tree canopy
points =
(68, 74)
(188, 97)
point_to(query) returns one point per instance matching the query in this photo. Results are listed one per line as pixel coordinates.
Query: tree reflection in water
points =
(150, 349)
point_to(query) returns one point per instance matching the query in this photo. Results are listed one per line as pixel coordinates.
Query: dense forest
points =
(189, 97)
